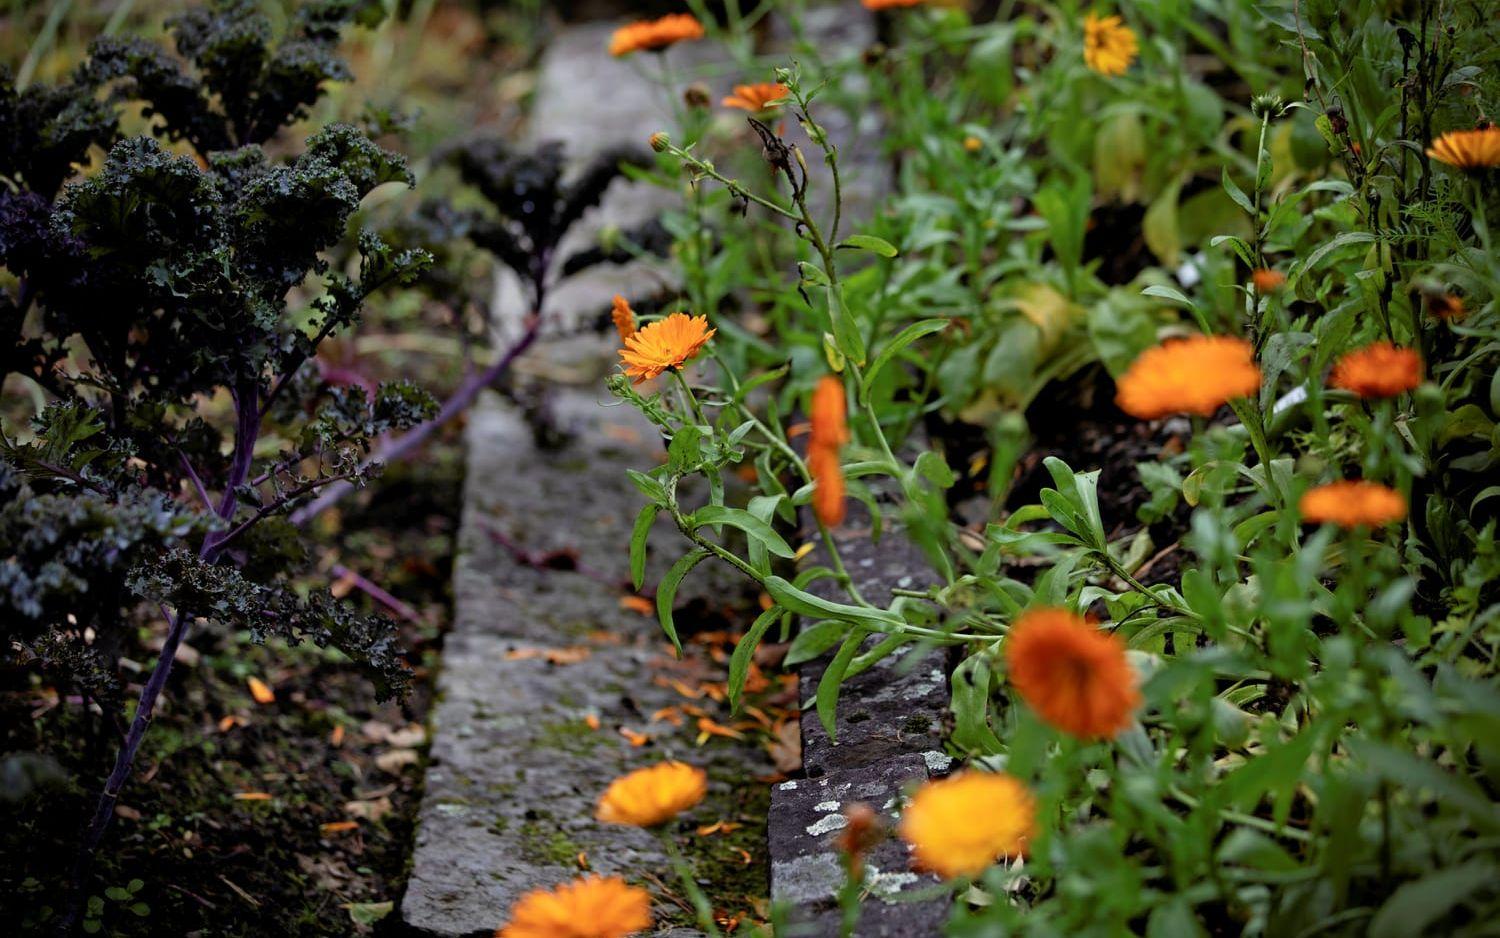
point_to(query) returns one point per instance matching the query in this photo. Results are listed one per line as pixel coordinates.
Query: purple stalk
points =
(378, 593)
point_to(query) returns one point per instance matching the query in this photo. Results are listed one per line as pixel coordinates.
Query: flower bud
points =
(660, 141)
(697, 95)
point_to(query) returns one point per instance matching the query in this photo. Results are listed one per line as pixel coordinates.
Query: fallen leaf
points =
(411, 735)
(672, 715)
(260, 690)
(127, 812)
(719, 827)
(786, 749)
(394, 760)
(336, 738)
(252, 796)
(368, 913)
(638, 604)
(370, 810)
(591, 721)
(338, 827)
(634, 738)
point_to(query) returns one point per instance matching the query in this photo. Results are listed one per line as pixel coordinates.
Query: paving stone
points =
(805, 818)
(897, 706)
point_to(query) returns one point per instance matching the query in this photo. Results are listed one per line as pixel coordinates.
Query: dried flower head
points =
(655, 35)
(757, 98)
(1352, 503)
(623, 316)
(1193, 376)
(1468, 150)
(1378, 370)
(1266, 279)
(1074, 676)
(590, 907)
(1447, 306)
(653, 795)
(959, 825)
(666, 343)
(1109, 46)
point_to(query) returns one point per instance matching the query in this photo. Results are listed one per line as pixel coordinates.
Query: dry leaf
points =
(411, 735)
(252, 796)
(372, 809)
(394, 760)
(786, 749)
(260, 690)
(338, 827)
(638, 604)
(634, 738)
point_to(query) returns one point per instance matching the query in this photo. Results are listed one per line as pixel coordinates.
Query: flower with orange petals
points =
(1266, 279)
(958, 826)
(655, 35)
(830, 430)
(1351, 504)
(1074, 676)
(1378, 370)
(1468, 150)
(623, 316)
(666, 343)
(829, 413)
(829, 495)
(757, 98)
(590, 907)
(653, 795)
(1193, 376)
(1109, 46)
(890, 4)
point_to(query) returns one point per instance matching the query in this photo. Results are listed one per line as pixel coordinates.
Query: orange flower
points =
(1468, 149)
(1352, 503)
(1266, 280)
(829, 492)
(654, 795)
(1378, 370)
(1194, 376)
(1074, 676)
(958, 826)
(757, 98)
(591, 907)
(1447, 306)
(666, 343)
(829, 413)
(623, 316)
(1109, 46)
(891, 4)
(655, 35)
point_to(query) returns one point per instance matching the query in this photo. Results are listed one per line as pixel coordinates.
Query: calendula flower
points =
(666, 343)
(1073, 675)
(1109, 46)
(829, 413)
(1352, 503)
(654, 795)
(1468, 150)
(655, 35)
(973, 144)
(757, 98)
(623, 316)
(591, 907)
(959, 825)
(829, 431)
(890, 4)
(1378, 370)
(1447, 306)
(829, 494)
(1267, 280)
(1191, 376)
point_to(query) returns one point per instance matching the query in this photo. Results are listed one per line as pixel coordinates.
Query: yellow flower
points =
(654, 795)
(1378, 370)
(1468, 149)
(655, 35)
(666, 343)
(623, 316)
(1352, 504)
(757, 98)
(959, 825)
(1193, 376)
(1109, 46)
(591, 907)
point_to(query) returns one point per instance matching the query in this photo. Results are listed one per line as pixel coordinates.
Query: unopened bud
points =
(660, 141)
(697, 95)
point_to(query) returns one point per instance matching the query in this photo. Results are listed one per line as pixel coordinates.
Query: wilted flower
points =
(1468, 149)
(1266, 279)
(1352, 503)
(1073, 675)
(959, 825)
(655, 35)
(623, 316)
(654, 795)
(757, 98)
(666, 343)
(1378, 370)
(591, 907)
(1193, 376)
(1109, 46)
(1447, 306)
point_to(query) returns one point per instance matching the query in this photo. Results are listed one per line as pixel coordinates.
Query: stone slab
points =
(804, 823)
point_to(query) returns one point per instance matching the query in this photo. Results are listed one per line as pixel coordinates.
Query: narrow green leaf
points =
(828, 687)
(870, 243)
(744, 653)
(745, 521)
(638, 535)
(902, 339)
(666, 593)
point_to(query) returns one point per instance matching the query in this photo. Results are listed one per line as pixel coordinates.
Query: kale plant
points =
(168, 308)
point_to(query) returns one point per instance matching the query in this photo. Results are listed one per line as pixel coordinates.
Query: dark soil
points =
(288, 818)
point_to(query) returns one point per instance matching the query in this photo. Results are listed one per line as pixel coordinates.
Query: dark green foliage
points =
(157, 286)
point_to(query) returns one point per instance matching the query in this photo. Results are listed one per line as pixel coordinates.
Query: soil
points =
(287, 818)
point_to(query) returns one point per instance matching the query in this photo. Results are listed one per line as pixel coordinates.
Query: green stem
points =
(701, 905)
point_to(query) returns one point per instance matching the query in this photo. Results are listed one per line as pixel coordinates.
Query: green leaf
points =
(814, 640)
(642, 530)
(870, 243)
(683, 453)
(744, 654)
(827, 697)
(1167, 293)
(666, 593)
(745, 521)
(1236, 193)
(845, 330)
(971, 707)
(1160, 227)
(1414, 907)
(902, 339)
(934, 469)
(648, 486)
(804, 603)
(368, 913)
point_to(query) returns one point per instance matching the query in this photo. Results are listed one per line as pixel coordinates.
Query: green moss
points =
(543, 842)
(574, 737)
